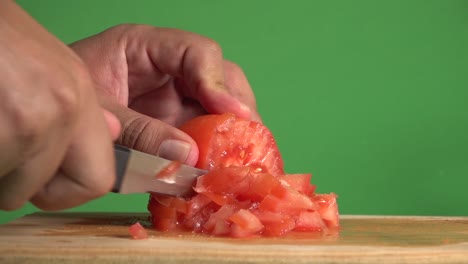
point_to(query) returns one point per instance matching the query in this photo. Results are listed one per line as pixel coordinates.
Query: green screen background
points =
(369, 96)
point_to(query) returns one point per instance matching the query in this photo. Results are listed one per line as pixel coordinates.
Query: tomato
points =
(225, 141)
(137, 231)
(299, 182)
(245, 224)
(309, 221)
(275, 223)
(245, 193)
(328, 208)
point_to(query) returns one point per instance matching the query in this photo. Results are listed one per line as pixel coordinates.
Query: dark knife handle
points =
(122, 155)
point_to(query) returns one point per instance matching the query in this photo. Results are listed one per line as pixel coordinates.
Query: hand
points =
(56, 148)
(155, 79)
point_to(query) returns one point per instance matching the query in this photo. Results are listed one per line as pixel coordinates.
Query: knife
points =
(137, 172)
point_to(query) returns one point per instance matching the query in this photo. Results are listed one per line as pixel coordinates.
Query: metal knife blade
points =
(137, 173)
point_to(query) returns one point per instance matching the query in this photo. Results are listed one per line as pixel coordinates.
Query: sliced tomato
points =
(245, 193)
(233, 180)
(137, 231)
(225, 141)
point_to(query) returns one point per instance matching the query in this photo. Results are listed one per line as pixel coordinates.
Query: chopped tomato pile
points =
(246, 192)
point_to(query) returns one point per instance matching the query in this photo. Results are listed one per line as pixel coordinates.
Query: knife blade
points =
(137, 173)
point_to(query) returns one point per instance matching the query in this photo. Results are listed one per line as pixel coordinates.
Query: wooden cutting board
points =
(104, 238)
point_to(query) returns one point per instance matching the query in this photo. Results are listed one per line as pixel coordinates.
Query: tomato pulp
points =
(246, 192)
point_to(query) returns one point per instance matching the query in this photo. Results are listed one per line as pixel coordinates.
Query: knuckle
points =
(29, 125)
(69, 94)
(67, 101)
(140, 133)
(212, 45)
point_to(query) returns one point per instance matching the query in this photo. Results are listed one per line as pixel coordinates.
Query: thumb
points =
(149, 135)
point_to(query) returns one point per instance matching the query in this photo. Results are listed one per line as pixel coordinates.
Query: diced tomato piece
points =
(328, 209)
(137, 231)
(260, 185)
(285, 200)
(245, 224)
(179, 203)
(299, 182)
(221, 228)
(222, 215)
(164, 218)
(197, 221)
(196, 204)
(169, 172)
(220, 199)
(275, 223)
(309, 221)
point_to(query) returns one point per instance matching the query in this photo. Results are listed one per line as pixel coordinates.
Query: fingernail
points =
(244, 108)
(173, 149)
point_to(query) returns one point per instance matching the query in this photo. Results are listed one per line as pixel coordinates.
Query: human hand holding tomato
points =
(56, 149)
(156, 79)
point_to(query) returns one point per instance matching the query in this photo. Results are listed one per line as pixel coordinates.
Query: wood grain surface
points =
(104, 238)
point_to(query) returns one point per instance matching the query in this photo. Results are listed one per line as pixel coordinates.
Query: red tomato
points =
(246, 192)
(300, 182)
(275, 223)
(245, 224)
(328, 208)
(225, 140)
(309, 221)
(220, 216)
(137, 231)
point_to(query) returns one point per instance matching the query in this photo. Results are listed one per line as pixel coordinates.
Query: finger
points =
(238, 85)
(195, 59)
(152, 136)
(88, 170)
(42, 137)
(20, 185)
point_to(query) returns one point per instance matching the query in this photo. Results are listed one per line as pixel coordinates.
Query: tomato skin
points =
(137, 231)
